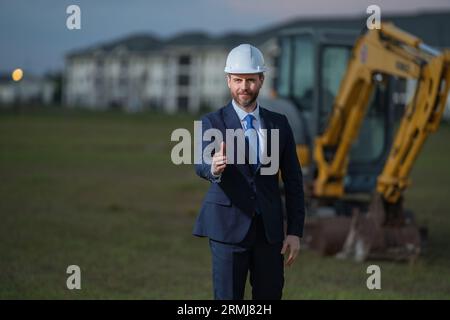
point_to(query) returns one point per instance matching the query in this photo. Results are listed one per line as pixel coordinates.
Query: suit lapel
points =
(266, 123)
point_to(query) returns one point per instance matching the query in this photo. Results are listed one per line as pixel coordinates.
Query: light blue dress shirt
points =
(257, 124)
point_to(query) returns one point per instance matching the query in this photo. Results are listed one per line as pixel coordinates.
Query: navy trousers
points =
(232, 262)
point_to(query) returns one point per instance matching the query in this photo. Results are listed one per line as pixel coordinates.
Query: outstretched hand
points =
(219, 161)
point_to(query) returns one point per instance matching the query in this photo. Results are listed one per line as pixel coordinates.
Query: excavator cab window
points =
(284, 74)
(334, 60)
(303, 72)
(296, 70)
(369, 145)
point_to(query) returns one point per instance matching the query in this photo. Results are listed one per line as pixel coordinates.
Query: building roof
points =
(432, 27)
(197, 38)
(133, 43)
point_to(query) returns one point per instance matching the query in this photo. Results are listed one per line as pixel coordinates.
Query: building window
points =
(123, 81)
(183, 80)
(123, 65)
(98, 80)
(183, 103)
(184, 60)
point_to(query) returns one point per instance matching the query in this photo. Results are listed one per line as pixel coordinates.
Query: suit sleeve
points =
(291, 175)
(203, 169)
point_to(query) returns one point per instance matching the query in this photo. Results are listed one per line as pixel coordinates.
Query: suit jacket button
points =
(252, 197)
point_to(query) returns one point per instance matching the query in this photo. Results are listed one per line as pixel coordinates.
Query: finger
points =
(222, 148)
(218, 158)
(221, 166)
(290, 259)
(220, 161)
(218, 170)
(294, 255)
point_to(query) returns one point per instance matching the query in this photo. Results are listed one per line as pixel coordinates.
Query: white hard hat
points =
(245, 58)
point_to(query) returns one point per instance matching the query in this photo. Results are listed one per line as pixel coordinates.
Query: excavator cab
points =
(310, 67)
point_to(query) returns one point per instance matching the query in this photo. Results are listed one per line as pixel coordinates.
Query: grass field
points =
(99, 190)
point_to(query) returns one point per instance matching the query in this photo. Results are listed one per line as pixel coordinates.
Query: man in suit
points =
(242, 212)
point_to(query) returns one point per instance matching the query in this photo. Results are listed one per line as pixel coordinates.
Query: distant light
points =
(17, 74)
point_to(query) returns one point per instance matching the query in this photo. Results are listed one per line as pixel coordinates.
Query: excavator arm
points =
(422, 117)
(387, 51)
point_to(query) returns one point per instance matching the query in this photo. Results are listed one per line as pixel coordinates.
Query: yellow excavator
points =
(361, 112)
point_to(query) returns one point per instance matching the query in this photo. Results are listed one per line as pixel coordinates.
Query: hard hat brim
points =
(245, 71)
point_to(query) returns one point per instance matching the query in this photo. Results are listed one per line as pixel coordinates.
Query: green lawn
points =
(99, 190)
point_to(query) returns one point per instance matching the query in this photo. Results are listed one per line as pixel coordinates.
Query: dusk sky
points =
(33, 34)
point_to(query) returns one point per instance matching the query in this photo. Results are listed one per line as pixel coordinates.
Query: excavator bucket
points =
(383, 233)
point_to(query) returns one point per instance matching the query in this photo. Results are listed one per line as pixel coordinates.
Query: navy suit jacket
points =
(228, 207)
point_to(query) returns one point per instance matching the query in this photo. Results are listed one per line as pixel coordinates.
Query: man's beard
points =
(247, 102)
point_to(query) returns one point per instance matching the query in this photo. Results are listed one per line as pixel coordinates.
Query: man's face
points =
(244, 88)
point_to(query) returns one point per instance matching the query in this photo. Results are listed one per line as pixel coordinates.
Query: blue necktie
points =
(252, 139)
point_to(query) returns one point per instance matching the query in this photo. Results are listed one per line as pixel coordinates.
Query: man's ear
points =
(228, 80)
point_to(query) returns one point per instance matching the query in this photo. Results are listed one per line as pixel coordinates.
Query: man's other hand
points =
(293, 244)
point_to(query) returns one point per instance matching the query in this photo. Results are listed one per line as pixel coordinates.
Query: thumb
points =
(222, 148)
(285, 245)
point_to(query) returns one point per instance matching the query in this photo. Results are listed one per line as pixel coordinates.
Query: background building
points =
(30, 90)
(185, 72)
